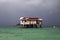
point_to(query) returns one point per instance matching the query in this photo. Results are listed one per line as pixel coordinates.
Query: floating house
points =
(30, 22)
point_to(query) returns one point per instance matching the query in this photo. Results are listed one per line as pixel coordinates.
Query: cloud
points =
(31, 4)
(12, 9)
(28, 6)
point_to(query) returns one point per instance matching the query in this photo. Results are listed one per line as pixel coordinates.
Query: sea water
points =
(17, 33)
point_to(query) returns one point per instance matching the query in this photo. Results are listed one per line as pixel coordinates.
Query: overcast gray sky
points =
(11, 10)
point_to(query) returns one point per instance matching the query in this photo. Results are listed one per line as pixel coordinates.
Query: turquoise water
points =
(16, 33)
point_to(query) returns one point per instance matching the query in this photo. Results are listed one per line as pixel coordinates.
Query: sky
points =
(12, 10)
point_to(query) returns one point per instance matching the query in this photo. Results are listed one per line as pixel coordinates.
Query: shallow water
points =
(16, 33)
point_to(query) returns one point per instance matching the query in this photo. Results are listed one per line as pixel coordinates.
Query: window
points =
(22, 21)
(25, 20)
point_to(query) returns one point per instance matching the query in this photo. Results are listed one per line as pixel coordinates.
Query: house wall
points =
(23, 22)
(27, 22)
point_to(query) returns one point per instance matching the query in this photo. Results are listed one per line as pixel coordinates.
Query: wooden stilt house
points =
(30, 22)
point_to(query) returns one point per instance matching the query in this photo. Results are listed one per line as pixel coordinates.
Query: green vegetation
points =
(14, 33)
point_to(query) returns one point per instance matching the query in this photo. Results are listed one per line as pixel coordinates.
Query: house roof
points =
(30, 18)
